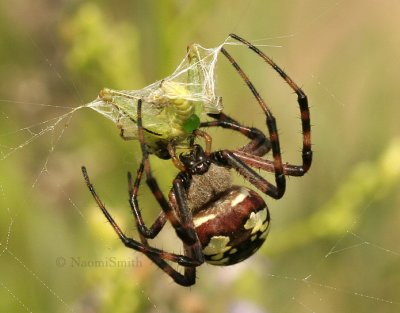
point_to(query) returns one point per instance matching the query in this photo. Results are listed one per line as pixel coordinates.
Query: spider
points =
(217, 222)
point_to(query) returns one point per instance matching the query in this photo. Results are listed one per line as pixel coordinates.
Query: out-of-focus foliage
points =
(101, 48)
(367, 182)
(333, 246)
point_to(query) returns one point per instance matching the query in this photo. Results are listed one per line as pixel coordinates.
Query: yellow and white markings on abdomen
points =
(232, 228)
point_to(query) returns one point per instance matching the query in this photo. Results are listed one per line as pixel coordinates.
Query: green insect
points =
(171, 108)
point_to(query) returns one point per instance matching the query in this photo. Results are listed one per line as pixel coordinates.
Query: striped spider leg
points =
(259, 145)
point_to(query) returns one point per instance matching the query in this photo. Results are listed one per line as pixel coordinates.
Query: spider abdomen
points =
(233, 227)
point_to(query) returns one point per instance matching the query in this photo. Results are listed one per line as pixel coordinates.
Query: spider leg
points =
(299, 170)
(267, 165)
(188, 278)
(156, 255)
(259, 144)
(131, 243)
(192, 249)
(228, 159)
(160, 221)
(274, 191)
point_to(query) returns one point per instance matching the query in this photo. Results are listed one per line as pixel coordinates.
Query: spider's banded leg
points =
(160, 221)
(267, 165)
(271, 125)
(259, 144)
(133, 244)
(188, 236)
(228, 159)
(302, 101)
(189, 276)
(193, 249)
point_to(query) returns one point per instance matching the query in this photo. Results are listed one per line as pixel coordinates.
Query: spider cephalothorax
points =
(216, 221)
(196, 162)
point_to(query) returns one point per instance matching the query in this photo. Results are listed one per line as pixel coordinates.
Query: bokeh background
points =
(334, 243)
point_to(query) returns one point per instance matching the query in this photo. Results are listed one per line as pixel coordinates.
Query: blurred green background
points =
(334, 244)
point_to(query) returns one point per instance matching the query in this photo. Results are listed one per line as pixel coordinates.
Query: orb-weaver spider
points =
(217, 222)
